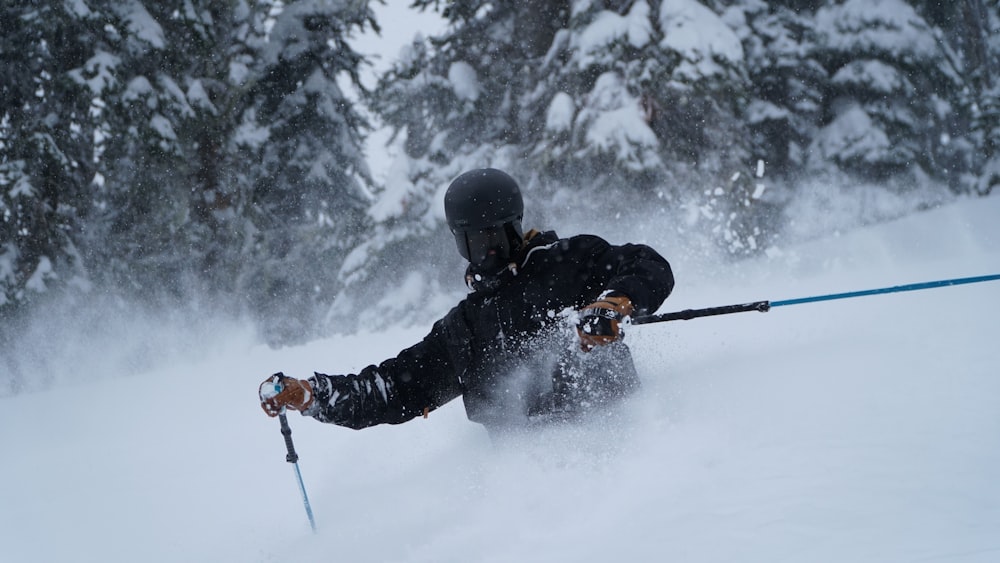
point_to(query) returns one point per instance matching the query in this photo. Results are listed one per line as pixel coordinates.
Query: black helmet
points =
(484, 210)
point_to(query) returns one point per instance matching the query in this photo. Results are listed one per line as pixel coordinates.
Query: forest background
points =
(194, 159)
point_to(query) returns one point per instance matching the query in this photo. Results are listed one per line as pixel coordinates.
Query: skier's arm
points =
(418, 380)
(630, 278)
(637, 272)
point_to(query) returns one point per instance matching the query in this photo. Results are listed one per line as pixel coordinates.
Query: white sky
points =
(399, 26)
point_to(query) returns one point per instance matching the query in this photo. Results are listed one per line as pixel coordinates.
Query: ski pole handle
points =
(278, 381)
(688, 314)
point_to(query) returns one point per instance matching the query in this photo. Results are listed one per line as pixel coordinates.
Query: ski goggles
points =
(479, 245)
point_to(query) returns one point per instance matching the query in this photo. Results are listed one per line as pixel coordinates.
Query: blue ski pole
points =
(765, 306)
(291, 456)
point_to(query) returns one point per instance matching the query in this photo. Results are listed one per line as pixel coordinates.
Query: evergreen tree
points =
(630, 90)
(649, 97)
(143, 237)
(54, 59)
(309, 193)
(166, 150)
(892, 90)
(786, 82)
(237, 168)
(656, 89)
(972, 28)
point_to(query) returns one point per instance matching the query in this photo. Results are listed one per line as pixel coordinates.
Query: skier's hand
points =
(279, 392)
(600, 322)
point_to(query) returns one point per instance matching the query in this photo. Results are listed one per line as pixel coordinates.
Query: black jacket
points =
(509, 348)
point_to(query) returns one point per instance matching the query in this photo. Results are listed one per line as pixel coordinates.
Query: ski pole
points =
(291, 456)
(765, 306)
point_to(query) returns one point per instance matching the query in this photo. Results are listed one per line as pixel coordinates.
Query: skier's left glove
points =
(279, 392)
(601, 322)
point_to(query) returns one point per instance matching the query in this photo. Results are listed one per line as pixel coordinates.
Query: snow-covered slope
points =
(855, 430)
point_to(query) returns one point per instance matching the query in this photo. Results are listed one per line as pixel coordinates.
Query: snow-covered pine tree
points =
(647, 98)
(648, 90)
(972, 29)
(893, 88)
(309, 189)
(235, 165)
(55, 63)
(786, 81)
(987, 69)
(143, 241)
(785, 90)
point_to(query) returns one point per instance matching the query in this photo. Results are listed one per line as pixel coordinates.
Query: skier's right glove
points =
(279, 392)
(600, 322)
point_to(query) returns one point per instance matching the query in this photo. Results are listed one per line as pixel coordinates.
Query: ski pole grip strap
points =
(286, 431)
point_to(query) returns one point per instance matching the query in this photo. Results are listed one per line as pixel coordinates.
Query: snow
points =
(852, 135)
(285, 39)
(138, 88)
(43, 272)
(873, 74)
(269, 391)
(79, 8)
(250, 133)
(398, 31)
(22, 182)
(888, 27)
(199, 98)
(178, 95)
(238, 73)
(464, 81)
(594, 43)
(614, 122)
(8, 257)
(101, 72)
(701, 36)
(991, 175)
(855, 430)
(162, 126)
(559, 117)
(142, 25)
(760, 111)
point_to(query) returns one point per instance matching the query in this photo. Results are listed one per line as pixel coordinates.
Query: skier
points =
(507, 348)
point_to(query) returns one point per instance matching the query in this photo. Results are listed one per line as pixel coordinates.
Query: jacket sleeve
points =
(637, 271)
(399, 389)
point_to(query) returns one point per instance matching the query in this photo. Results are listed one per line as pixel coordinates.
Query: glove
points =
(600, 322)
(279, 392)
